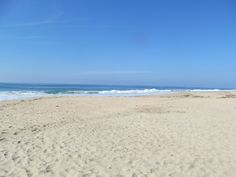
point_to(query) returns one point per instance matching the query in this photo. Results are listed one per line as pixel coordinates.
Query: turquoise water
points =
(22, 91)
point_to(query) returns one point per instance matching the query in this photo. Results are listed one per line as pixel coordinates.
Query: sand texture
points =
(178, 135)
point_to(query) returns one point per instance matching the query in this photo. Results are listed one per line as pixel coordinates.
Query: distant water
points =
(25, 91)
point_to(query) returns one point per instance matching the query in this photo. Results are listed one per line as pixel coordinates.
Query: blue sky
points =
(143, 42)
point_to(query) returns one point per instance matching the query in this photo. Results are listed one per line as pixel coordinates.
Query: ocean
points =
(10, 91)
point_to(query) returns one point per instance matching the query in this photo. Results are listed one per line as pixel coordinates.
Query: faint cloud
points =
(53, 19)
(95, 26)
(46, 22)
(115, 72)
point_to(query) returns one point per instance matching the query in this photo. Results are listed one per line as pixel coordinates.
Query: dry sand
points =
(179, 135)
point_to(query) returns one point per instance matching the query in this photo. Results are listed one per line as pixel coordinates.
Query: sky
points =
(122, 42)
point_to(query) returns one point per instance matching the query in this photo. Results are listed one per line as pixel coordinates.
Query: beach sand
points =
(177, 135)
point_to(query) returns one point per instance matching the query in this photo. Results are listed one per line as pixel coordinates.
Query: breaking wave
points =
(14, 95)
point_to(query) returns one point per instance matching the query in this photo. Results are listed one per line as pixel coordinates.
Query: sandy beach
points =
(177, 135)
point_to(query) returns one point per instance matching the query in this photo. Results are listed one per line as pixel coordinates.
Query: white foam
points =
(133, 92)
(204, 90)
(15, 95)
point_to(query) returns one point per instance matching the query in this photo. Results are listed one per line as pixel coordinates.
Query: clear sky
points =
(144, 42)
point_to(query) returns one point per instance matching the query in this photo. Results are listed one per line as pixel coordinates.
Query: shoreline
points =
(172, 93)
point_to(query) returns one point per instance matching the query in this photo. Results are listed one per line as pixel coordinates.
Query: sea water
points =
(10, 91)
